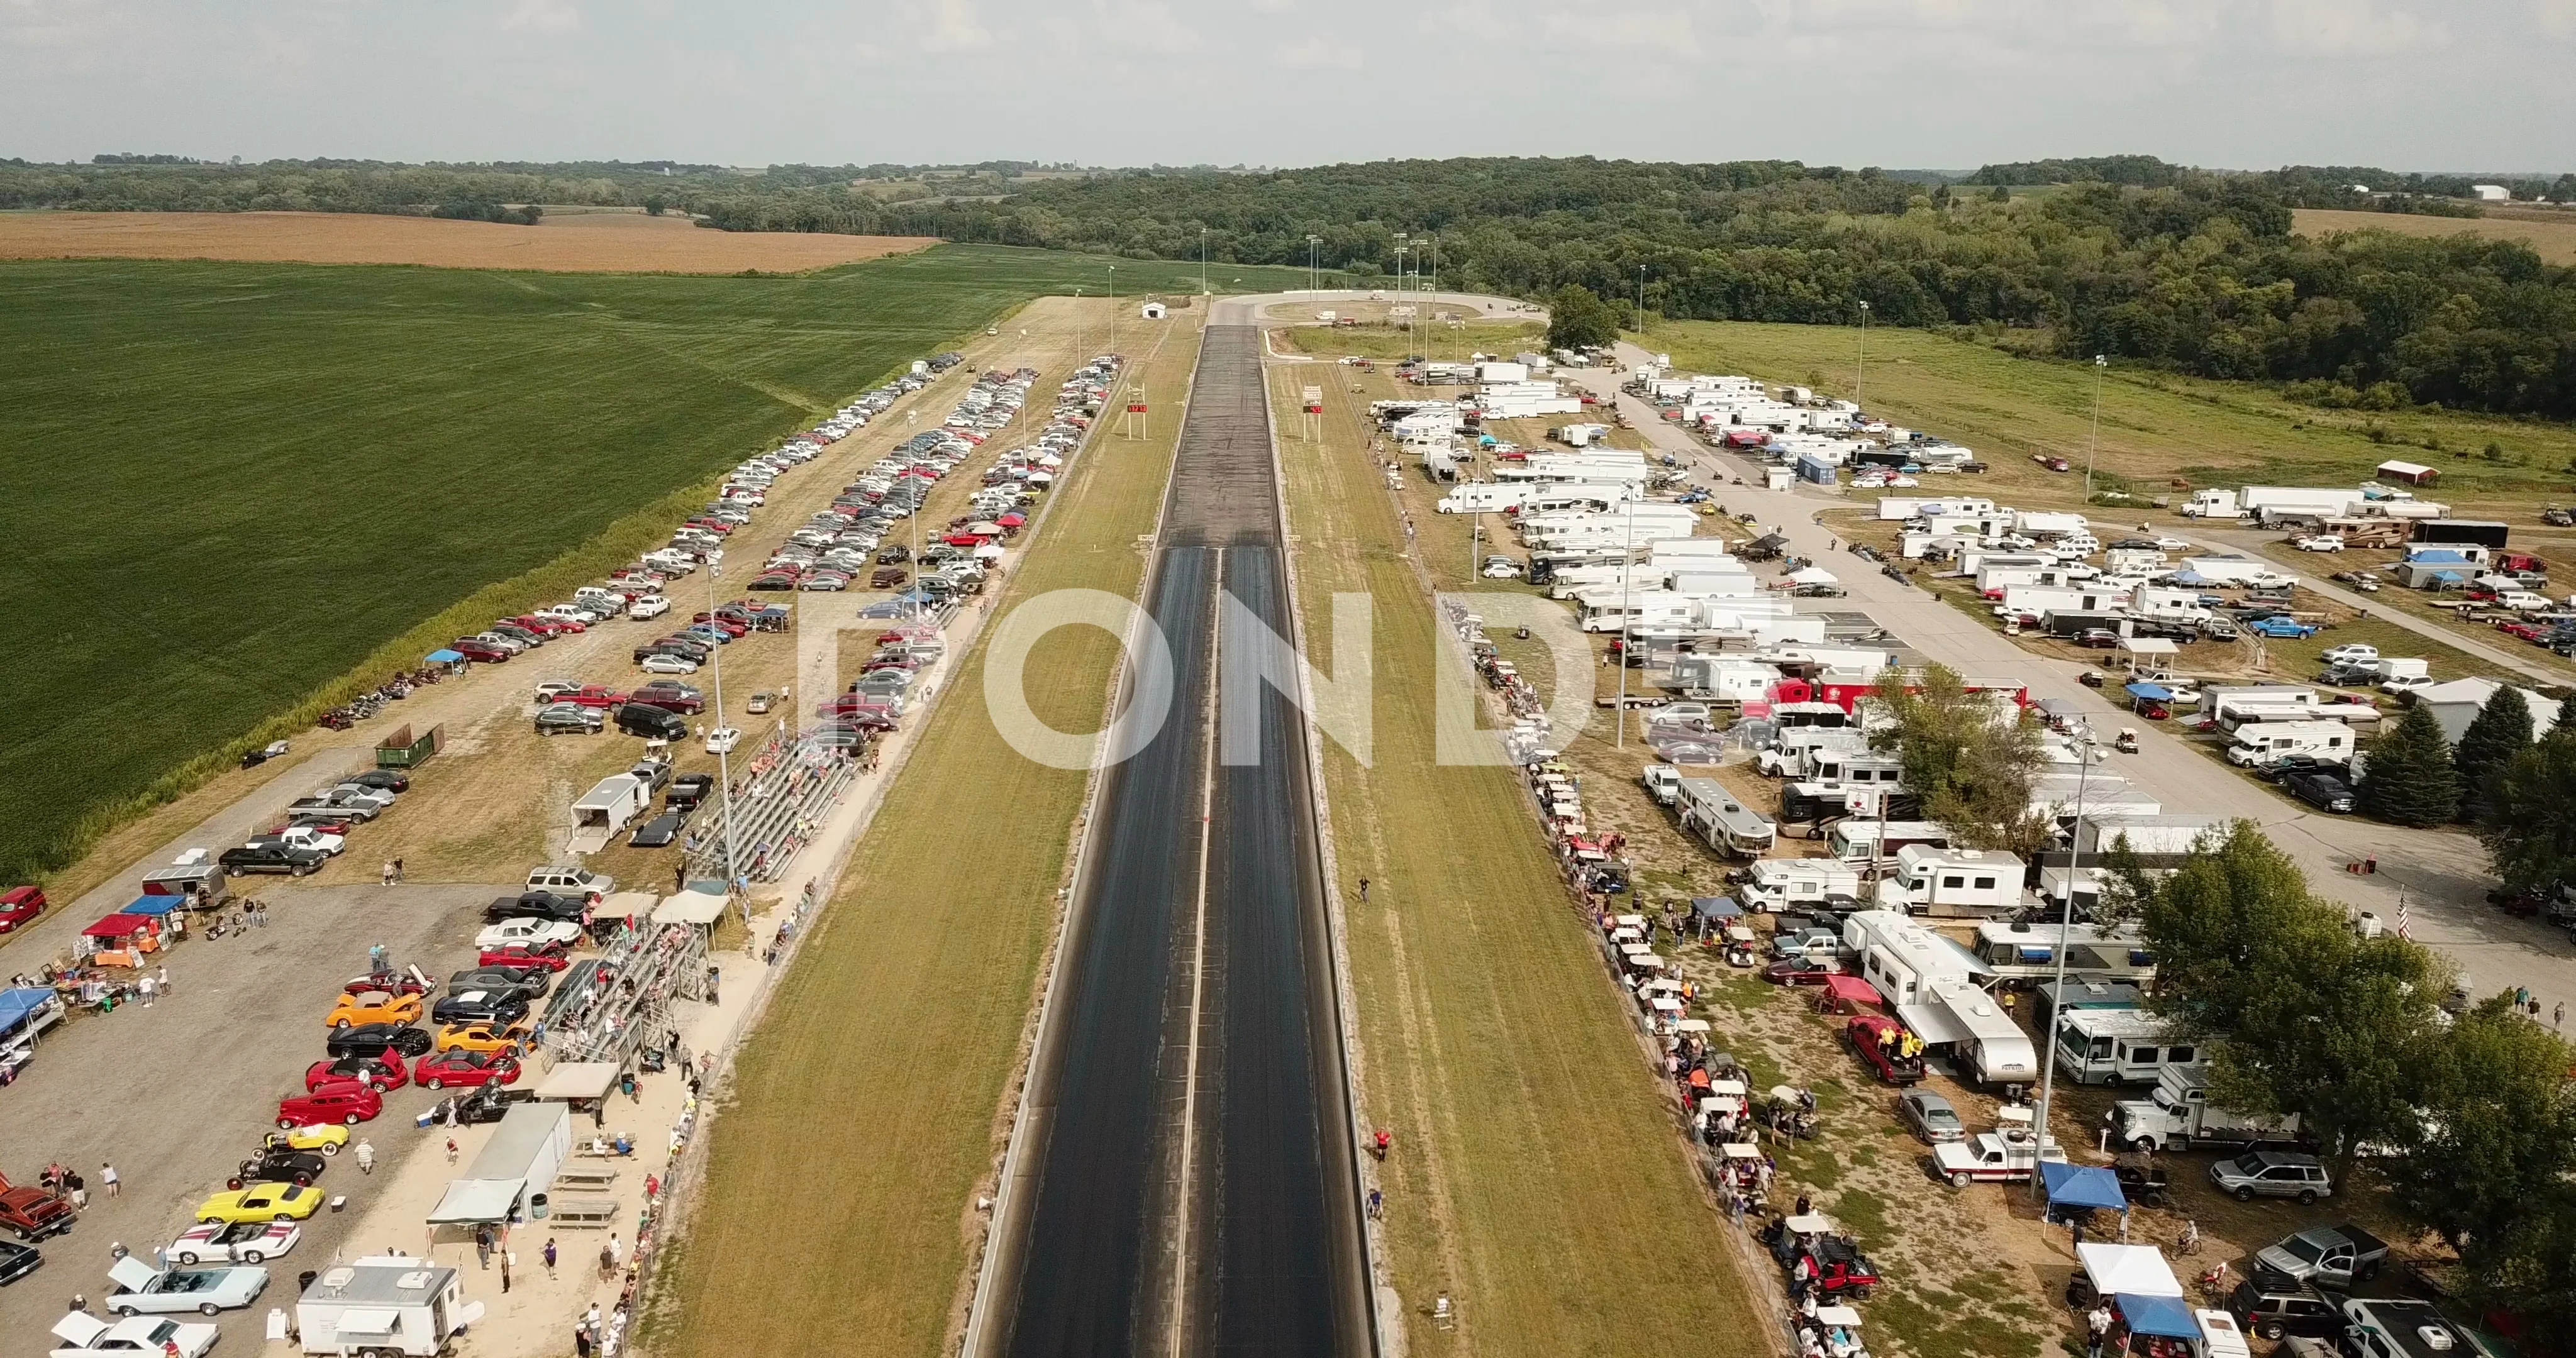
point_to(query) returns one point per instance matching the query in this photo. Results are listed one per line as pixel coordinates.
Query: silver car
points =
(1931, 1116)
(2272, 1174)
(143, 1289)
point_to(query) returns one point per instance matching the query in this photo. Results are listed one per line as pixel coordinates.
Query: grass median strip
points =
(839, 1196)
(1536, 1178)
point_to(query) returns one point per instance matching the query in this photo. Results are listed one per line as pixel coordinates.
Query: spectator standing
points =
(107, 1176)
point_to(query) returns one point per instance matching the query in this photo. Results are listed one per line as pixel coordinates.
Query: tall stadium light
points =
(2085, 750)
(1861, 365)
(1641, 303)
(1203, 286)
(1113, 308)
(1314, 263)
(2094, 445)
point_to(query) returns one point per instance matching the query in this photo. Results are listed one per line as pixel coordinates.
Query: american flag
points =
(2401, 917)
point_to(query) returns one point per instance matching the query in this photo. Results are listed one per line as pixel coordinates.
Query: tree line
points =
(2187, 269)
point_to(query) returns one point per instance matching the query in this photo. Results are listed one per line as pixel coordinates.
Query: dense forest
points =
(2126, 255)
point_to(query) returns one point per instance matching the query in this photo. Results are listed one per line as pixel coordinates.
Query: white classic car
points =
(142, 1289)
(239, 1242)
(527, 929)
(86, 1336)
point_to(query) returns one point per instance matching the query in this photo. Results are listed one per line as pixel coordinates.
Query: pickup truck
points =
(544, 905)
(2281, 628)
(2009, 1154)
(2328, 1256)
(355, 803)
(1663, 783)
(271, 857)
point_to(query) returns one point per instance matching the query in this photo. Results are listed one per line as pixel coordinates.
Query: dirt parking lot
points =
(175, 1094)
(579, 243)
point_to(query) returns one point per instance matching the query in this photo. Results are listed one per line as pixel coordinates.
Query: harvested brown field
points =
(2555, 240)
(601, 242)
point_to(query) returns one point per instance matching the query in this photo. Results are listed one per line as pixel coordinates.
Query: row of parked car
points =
(316, 827)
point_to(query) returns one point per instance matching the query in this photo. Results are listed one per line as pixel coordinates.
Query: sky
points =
(1904, 84)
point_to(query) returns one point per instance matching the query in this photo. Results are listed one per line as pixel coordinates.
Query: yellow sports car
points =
(482, 1037)
(262, 1202)
(326, 1137)
(374, 1006)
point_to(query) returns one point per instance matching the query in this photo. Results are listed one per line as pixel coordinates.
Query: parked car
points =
(523, 953)
(86, 1336)
(663, 662)
(564, 717)
(2276, 1307)
(142, 1289)
(17, 1261)
(2272, 1174)
(20, 906)
(382, 1070)
(1809, 970)
(462, 1067)
(527, 930)
(532, 982)
(544, 905)
(382, 780)
(567, 880)
(495, 1036)
(343, 1103)
(242, 1242)
(279, 1167)
(274, 856)
(373, 1007)
(1931, 1116)
(2319, 542)
(262, 1202)
(369, 1039)
(479, 1007)
(658, 833)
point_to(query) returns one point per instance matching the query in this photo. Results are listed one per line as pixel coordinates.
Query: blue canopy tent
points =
(2154, 693)
(2191, 578)
(443, 656)
(1715, 907)
(155, 905)
(2082, 1186)
(16, 1005)
(2163, 1317)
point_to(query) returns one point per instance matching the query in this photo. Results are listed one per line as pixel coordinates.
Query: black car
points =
(659, 832)
(278, 1166)
(537, 905)
(2323, 791)
(688, 790)
(382, 780)
(636, 719)
(17, 1261)
(480, 1006)
(485, 1103)
(271, 857)
(2272, 1306)
(367, 1039)
(532, 982)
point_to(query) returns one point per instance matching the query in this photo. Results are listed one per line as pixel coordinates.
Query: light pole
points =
(2084, 747)
(1627, 577)
(1203, 287)
(2094, 445)
(1314, 263)
(724, 760)
(1641, 304)
(1862, 364)
(1077, 327)
(1113, 308)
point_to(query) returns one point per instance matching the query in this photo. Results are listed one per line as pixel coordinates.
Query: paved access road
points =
(2443, 875)
(1190, 1172)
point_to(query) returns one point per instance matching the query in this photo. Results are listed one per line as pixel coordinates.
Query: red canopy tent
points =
(1849, 991)
(120, 926)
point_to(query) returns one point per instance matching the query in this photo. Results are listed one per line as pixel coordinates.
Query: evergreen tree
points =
(2410, 779)
(1578, 319)
(2501, 731)
(2532, 829)
(2566, 710)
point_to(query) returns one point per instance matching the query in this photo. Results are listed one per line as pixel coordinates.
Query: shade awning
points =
(16, 1005)
(2149, 646)
(443, 656)
(2114, 1269)
(366, 1322)
(579, 1080)
(475, 1201)
(691, 907)
(1812, 575)
(2154, 693)
(118, 926)
(1851, 989)
(1932, 1023)
(155, 905)
(2165, 1317)
(2082, 1186)
(1715, 907)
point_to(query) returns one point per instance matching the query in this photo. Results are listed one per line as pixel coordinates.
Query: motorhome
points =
(1789, 753)
(1776, 884)
(2119, 1046)
(2260, 744)
(1711, 812)
(2021, 954)
(1724, 678)
(1951, 882)
(1989, 1046)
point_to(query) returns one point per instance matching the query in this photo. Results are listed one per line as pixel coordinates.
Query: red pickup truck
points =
(593, 695)
(19, 905)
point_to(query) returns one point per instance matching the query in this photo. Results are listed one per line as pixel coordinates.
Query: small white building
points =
(2457, 703)
(2491, 193)
(1152, 311)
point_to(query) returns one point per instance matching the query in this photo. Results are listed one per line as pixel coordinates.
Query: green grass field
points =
(2155, 426)
(233, 483)
(840, 1185)
(1539, 1179)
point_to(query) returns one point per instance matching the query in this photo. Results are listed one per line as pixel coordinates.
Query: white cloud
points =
(2355, 28)
(542, 16)
(1273, 6)
(949, 26)
(1320, 53)
(2557, 18)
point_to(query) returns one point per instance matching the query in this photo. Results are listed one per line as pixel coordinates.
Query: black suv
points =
(537, 905)
(653, 723)
(2272, 1306)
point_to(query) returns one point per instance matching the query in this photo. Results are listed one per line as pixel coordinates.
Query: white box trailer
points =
(1901, 958)
(1864, 839)
(606, 810)
(1725, 678)
(2232, 570)
(2259, 743)
(2148, 836)
(385, 1304)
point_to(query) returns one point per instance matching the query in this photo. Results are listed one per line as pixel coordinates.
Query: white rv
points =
(2257, 744)
(1723, 823)
(1775, 884)
(2118, 1046)
(1935, 881)
(1903, 959)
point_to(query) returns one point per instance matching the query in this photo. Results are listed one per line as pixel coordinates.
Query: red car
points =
(1871, 1037)
(345, 1101)
(732, 626)
(483, 651)
(592, 695)
(1810, 970)
(542, 626)
(462, 1067)
(523, 955)
(19, 905)
(390, 983)
(379, 1072)
(2524, 631)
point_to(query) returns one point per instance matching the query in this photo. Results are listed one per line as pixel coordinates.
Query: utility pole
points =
(2094, 444)
(1203, 281)
(1314, 264)
(1641, 304)
(1113, 308)
(724, 757)
(1627, 584)
(2084, 748)
(1862, 364)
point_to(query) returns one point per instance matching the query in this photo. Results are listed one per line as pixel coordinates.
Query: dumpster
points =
(402, 750)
